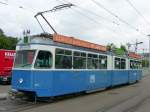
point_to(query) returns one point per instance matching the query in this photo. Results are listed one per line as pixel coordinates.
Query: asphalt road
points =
(4, 88)
(129, 98)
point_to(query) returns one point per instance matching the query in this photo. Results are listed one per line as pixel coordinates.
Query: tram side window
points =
(131, 64)
(92, 61)
(139, 64)
(44, 60)
(102, 62)
(123, 64)
(63, 59)
(135, 64)
(120, 63)
(117, 63)
(79, 60)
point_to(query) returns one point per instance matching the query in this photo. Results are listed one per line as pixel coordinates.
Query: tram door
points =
(42, 76)
(98, 75)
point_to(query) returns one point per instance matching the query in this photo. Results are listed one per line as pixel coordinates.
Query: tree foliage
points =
(7, 42)
(122, 47)
(119, 51)
(145, 63)
(111, 47)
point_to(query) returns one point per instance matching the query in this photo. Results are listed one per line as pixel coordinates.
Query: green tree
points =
(7, 42)
(111, 47)
(145, 63)
(122, 47)
(1, 32)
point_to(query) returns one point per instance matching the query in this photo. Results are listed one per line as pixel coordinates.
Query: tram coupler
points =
(13, 94)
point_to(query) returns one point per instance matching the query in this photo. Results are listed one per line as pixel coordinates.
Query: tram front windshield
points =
(24, 58)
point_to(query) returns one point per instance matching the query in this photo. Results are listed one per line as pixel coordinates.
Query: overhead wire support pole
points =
(56, 8)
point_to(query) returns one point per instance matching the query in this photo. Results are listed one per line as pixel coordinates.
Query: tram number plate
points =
(92, 78)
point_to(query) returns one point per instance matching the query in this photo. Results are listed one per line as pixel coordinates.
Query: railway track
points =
(18, 105)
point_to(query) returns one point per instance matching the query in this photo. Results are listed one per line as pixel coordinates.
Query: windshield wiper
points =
(26, 64)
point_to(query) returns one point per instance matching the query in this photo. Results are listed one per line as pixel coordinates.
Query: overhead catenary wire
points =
(116, 16)
(91, 12)
(3, 3)
(19, 6)
(89, 18)
(138, 12)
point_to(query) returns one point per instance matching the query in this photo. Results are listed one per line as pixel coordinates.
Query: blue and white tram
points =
(49, 68)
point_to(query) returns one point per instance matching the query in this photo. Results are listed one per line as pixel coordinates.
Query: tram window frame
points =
(132, 64)
(65, 56)
(42, 66)
(139, 65)
(123, 63)
(93, 61)
(135, 64)
(79, 59)
(117, 60)
(105, 59)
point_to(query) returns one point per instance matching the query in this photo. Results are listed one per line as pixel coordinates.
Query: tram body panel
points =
(22, 80)
(68, 81)
(135, 75)
(119, 77)
(98, 79)
(43, 82)
(65, 82)
(54, 83)
(139, 75)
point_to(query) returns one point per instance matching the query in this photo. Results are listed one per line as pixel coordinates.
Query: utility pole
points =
(136, 45)
(149, 50)
(128, 45)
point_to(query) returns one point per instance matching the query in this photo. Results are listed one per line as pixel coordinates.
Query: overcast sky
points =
(100, 27)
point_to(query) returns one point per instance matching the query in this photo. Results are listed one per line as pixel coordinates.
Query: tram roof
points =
(54, 40)
(47, 39)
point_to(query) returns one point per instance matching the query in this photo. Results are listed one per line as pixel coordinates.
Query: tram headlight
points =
(21, 80)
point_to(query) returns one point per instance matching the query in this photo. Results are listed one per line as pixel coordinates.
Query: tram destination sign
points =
(25, 47)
